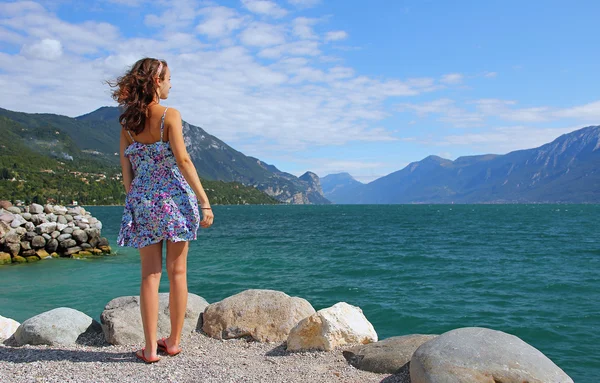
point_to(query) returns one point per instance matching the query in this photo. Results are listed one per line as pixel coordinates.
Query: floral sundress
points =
(160, 204)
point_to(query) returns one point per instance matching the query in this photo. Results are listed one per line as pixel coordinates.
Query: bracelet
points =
(206, 208)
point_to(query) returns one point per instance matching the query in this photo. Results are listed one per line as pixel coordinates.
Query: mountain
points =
(99, 141)
(567, 170)
(315, 192)
(335, 186)
(96, 135)
(215, 160)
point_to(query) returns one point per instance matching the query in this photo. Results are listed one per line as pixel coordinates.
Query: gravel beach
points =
(203, 360)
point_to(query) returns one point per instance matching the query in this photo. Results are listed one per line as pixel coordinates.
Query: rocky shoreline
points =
(35, 232)
(259, 336)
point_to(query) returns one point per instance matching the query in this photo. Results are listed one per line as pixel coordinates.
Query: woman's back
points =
(152, 127)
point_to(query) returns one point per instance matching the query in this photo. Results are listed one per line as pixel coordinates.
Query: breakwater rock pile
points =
(35, 232)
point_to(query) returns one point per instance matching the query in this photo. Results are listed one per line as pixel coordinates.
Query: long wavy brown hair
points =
(135, 90)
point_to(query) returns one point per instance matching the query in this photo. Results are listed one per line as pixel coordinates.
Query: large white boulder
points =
(474, 355)
(264, 315)
(7, 327)
(122, 321)
(330, 328)
(61, 326)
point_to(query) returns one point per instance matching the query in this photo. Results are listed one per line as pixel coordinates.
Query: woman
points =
(163, 191)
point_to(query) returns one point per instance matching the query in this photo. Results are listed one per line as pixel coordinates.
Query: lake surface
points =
(529, 270)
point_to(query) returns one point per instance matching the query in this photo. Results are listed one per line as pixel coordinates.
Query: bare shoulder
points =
(172, 114)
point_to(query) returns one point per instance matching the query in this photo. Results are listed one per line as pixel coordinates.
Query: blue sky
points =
(326, 86)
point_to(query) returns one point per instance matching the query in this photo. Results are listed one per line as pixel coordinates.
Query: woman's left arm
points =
(125, 163)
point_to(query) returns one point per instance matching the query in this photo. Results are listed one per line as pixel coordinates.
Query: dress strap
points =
(130, 136)
(162, 123)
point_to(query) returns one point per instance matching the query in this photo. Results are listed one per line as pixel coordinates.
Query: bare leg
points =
(178, 290)
(151, 257)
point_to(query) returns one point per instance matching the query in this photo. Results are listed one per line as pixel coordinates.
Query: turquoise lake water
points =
(529, 270)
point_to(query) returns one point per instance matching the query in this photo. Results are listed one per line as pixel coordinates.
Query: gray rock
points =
(67, 243)
(63, 237)
(264, 315)
(85, 246)
(38, 219)
(476, 355)
(103, 242)
(122, 323)
(387, 356)
(67, 230)
(46, 228)
(80, 236)
(61, 326)
(28, 253)
(17, 221)
(60, 227)
(29, 235)
(94, 242)
(34, 208)
(52, 246)
(29, 226)
(51, 217)
(14, 210)
(81, 218)
(72, 250)
(60, 210)
(25, 245)
(7, 217)
(82, 225)
(61, 219)
(69, 218)
(13, 248)
(21, 231)
(48, 209)
(55, 234)
(92, 233)
(97, 225)
(47, 237)
(12, 237)
(38, 242)
(72, 211)
(4, 229)
(26, 216)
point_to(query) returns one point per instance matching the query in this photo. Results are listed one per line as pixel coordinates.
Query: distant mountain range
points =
(567, 170)
(96, 135)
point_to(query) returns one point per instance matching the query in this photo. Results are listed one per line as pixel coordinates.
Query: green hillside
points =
(40, 161)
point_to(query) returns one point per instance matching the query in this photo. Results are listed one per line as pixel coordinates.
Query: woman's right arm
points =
(184, 162)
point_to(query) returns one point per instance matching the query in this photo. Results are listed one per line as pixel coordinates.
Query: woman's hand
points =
(207, 217)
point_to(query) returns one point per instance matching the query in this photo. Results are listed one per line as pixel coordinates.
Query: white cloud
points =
(589, 111)
(302, 28)
(298, 48)
(219, 21)
(11, 37)
(19, 7)
(335, 36)
(452, 78)
(178, 14)
(490, 74)
(129, 3)
(505, 139)
(446, 110)
(262, 35)
(304, 3)
(264, 7)
(46, 49)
